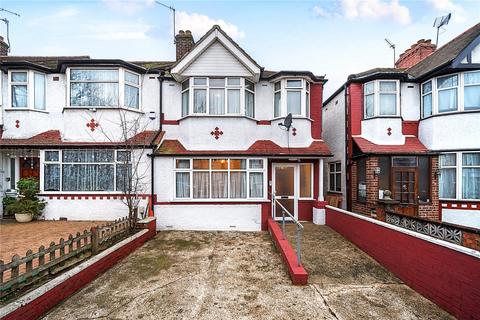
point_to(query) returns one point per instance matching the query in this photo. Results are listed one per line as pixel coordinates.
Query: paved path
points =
(232, 275)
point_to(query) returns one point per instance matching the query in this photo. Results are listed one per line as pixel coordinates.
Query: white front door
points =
(285, 189)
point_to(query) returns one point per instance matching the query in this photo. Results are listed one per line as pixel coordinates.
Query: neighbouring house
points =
(209, 138)
(413, 130)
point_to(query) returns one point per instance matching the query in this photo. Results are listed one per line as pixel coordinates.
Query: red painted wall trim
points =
(319, 204)
(297, 273)
(92, 196)
(355, 108)
(171, 122)
(447, 277)
(316, 102)
(159, 203)
(264, 122)
(38, 307)
(410, 128)
(460, 205)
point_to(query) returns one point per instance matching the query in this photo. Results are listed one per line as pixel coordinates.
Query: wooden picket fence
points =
(22, 272)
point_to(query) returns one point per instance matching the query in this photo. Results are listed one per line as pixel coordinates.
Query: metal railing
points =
(299, 226)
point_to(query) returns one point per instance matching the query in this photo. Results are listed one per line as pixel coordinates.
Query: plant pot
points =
(23, 217)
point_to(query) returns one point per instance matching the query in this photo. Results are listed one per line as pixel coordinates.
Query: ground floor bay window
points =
(86, 170)
(459, 176)
(222, 178)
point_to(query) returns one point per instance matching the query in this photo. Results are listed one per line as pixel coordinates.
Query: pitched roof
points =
(376, 72)
(259, 147)
(53, 138)
(411, 146)
(50, 62)
(445, 54)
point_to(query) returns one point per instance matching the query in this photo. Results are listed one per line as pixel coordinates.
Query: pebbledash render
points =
(413, 130)
(208, 140)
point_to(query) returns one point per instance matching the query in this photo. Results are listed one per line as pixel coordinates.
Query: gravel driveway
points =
(232, 275)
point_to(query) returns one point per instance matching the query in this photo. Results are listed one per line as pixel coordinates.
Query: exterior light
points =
(376, 171)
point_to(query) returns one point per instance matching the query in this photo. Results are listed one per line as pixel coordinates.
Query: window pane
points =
(87, 177)
(124, 156)
(19, 96)
(182, 185)
(39, 91)
(368, 88)
(307, 104)
(427, 105)
(331, 180)
(388, 86)
(276, 102)
(87, 155)
(427, 87)
(52, 156)
(388, 104)
(294, 83)
(51, 178)
(200, 81)
(185, 99)
(471, 183)
(124, 177)
(471, 159)
(199, 101)
(238, 184)
(338, 182)
(449, 159)
(249, 85)
(94, 75)
(305, 181)
(19, 77)
(220, 164)
(447, 183)
(256, 185)
(131, 77)
(93, 94)
(277, 85)
(424, 178)
(447, 100)
(202, 164)
(362, 176)
(447, 82)
(233, 101)
(472, 97)
(294, 102)
(369, 105)
(132, 96)
(217, 101)
(219, 185)
(404, 162)
(332, 167)
(249, 104)
(182, 164)
(233, 81)
(256, 164)
(338, 167)
(237, 164)
(201, 185)
(472, 77)
(215, 82)
(185, 84)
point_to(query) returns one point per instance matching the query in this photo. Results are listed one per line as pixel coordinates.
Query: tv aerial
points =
(392, 46)
(173, 15)
(287, 123)
(440, 22)
(7, 23)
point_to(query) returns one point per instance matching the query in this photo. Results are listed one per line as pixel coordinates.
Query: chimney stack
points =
(183, 42)
(416, 53)
(3, 47)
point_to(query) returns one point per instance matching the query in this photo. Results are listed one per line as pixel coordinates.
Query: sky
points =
(334, 38)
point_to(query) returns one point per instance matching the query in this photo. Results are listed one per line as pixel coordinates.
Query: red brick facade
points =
(416, 53)
(316, 100)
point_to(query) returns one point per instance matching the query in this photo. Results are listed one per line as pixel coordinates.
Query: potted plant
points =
(28, 206)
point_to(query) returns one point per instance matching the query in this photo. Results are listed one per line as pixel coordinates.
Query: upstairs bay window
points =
(381, 98)
(218, 96)
(291, 96)
(451, 93)
(104, 88)
(27, 90)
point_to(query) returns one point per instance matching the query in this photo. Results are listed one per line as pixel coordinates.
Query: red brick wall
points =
(416, 53)
(316, 102)
(410, 128)
(355, 108)
(372, 187)
(447, 277)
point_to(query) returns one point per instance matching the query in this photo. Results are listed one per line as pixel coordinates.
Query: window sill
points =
(217, 116)
(451, 113)
(383, 117)
(26, 109)
(335, 192)
(103, 108)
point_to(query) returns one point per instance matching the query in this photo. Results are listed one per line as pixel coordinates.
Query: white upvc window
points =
(381, 98)
(103, 87)
(335, 176)
(451, 93)
(218, 96)
(291, 95)
(220, 179)
(459, 177)
(27, 89)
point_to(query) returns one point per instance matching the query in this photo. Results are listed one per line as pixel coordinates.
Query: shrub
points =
(8, 200)
(27, 202)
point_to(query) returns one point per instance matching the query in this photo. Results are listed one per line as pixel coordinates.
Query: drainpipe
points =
(348, 176)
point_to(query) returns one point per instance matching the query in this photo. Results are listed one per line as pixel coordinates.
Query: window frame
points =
(422, 95)
(247, 171)
(138, 86)
(458, 175)
(30, 84)
(304, 90)
(457, 87)
(462, 166)
(334, 173)
(121, 88)
(376, 99)
(469, 85)
(312, 168)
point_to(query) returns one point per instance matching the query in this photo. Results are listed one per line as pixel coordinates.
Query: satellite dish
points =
(441, 21)
(287, 123)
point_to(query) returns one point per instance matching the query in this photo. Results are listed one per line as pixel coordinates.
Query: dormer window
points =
(27, 90)
(291, 96)
(97, 88)
(380, 98)
(218, 96)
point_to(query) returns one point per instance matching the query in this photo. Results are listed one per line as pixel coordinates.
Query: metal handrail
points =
(298, 224)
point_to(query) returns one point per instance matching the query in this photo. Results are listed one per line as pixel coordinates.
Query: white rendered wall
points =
(85, 209)
(333, 117)
(458, 131)
(209, 217)
(468, 218)
(376, 131)
(410, 101)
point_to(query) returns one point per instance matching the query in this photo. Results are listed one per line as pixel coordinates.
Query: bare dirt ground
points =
(232, 275)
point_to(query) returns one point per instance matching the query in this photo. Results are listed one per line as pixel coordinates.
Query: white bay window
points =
(27, 89)
(459, 176)
(219, 179)
(381, 98)
(291, 96)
